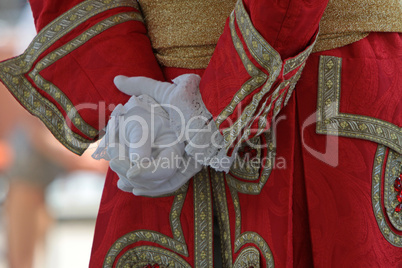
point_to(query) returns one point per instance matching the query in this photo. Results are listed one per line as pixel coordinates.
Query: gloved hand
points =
(189, 118)
(144, 151)
(180, 99)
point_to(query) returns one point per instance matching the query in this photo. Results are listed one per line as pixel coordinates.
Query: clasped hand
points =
(147, 155)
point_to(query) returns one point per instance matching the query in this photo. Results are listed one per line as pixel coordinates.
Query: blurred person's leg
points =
(27, 223)
(27, 216)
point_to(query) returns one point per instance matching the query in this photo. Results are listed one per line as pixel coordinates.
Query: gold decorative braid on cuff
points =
(12, 72)
(270, 61)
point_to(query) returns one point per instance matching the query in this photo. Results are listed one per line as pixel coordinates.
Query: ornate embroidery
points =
(262, 52)
(393, 166)
(177, 244)
(46, 111)
(203, 220)
(293, 63)
(236, 204)
(330, 121)
(392, 171)
(244, 165)
(254, 238)
(59, 53)
(220, 200)
(249, 257)
(267, 57)
(270, 60)
(280, 102)
(293, 85)
(139, 257)
(249, 237)
(267, 165)
(12, 71)
(257, 79)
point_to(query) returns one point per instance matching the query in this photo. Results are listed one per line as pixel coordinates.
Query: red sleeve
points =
(65, 77)
(257, 63)
(45, 11)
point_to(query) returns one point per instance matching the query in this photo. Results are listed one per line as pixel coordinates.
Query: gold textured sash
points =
(347, 21)
(184, 32)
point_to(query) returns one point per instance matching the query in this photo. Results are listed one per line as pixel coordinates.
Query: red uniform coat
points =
(323, 193)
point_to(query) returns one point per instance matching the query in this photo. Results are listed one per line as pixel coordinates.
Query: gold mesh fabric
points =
(347, 21)
(183, 32)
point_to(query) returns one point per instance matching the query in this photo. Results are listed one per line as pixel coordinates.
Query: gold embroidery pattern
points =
(12, 73)
(139, 257)
(59, 53)
(254, 238)
(175, 218)
(262, 114)
(249, 237)
(331, 122)
(271, 61)
(60, 27)
(251, 187)
(220, 200)
(46, 111)
(236, 205)
(257, 79)
(293, 85)
(279, 103)
(294, 63)
(243, 167)
(249, 257)
(262, 52)
(203, 220)
(377, 176)
(177, 244)
(267, 57)
(392, 171)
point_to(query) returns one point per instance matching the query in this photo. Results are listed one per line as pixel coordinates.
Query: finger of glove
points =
(120, 168)
(160, 168)
(124, 185)
(143, 85)
(166, 187)
(138, 138)
(168, 139)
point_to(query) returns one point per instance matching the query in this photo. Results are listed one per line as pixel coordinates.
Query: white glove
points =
(189, 118)
(169, 95)
(144, 151)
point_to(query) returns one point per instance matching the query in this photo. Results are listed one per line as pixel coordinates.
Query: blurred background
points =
(49, 197)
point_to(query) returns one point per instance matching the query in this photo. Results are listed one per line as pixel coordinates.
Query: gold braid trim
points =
(175, 244)
(331, 122)
(269, 59)
(393, 166)
(140, 257)
(12, 72)
(248, 255)
(203, 222)
(392, 171)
